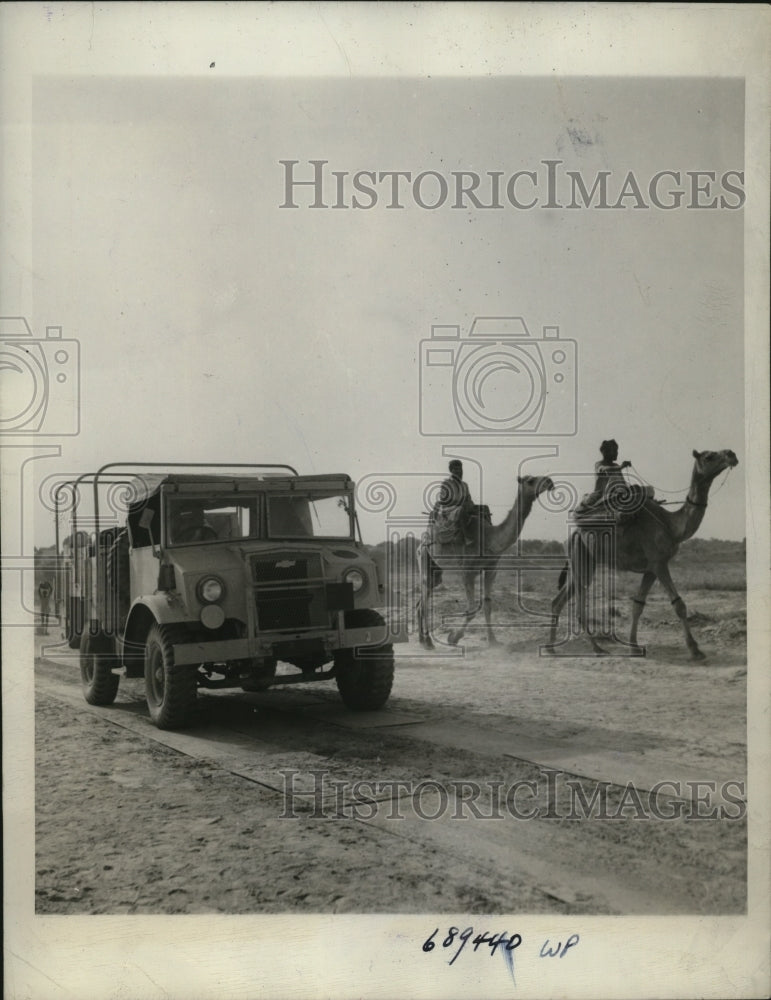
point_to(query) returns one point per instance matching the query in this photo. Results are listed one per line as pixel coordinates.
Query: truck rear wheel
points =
(74, 622)
(365, 682)
(171, 690)
(97, 658)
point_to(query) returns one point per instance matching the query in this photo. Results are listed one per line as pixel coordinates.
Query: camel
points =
(644, 545)
(494, 539)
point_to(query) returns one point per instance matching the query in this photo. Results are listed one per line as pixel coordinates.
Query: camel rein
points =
(693, 503)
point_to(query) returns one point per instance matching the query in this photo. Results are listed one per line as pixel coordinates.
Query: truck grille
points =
(289, 592)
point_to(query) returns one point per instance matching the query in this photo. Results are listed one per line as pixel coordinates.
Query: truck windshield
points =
(298, 516)
(193, 520)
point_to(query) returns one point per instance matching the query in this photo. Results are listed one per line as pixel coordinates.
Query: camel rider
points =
(608, 473)
(454, 505)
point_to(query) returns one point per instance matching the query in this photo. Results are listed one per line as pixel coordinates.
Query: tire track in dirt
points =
(585, 874)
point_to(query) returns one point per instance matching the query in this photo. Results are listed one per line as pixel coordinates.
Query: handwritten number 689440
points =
(493, 941)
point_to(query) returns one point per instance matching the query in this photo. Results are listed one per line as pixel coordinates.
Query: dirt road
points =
(132, 820)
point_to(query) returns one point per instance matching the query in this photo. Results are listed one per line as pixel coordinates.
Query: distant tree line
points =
(406, 547)
(698, 549)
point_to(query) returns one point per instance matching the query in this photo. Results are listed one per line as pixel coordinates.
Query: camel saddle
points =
(618, 505)
(462, 525)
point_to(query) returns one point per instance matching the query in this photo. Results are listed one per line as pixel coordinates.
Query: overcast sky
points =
(216, 325)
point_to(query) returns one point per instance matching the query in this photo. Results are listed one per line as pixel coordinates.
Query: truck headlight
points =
(356, 579)
(210, 589)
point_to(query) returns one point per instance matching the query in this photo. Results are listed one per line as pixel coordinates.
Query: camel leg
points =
(424, 616)
(489, 579)
(638, 604)
(424, 634)
(579, 576)
(426, 587)
(564, 594)
(579, 581)
(582, 610)
(584, 565)
(472, 607)
(680, 610)
(420, 616)
(579, 590)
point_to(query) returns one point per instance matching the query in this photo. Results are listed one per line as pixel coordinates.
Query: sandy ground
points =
(127, 824)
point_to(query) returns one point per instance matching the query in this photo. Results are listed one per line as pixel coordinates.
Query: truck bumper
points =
(219, 651)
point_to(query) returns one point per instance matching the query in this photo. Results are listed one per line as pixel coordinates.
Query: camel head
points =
(534, 486)
(711, 463)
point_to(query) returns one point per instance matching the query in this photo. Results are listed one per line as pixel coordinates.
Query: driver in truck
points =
(189, 524)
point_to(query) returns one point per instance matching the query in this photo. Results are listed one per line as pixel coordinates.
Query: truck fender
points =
(143, 614)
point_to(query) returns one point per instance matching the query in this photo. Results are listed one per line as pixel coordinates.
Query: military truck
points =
(210, 579)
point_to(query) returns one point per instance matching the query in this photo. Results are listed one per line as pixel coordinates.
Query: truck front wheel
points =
(97, 658)
(171, 690)
(364, 680)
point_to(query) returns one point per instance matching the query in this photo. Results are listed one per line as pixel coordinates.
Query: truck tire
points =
(171, 691)
(74, 619)
(97, 658)
(364, 683)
